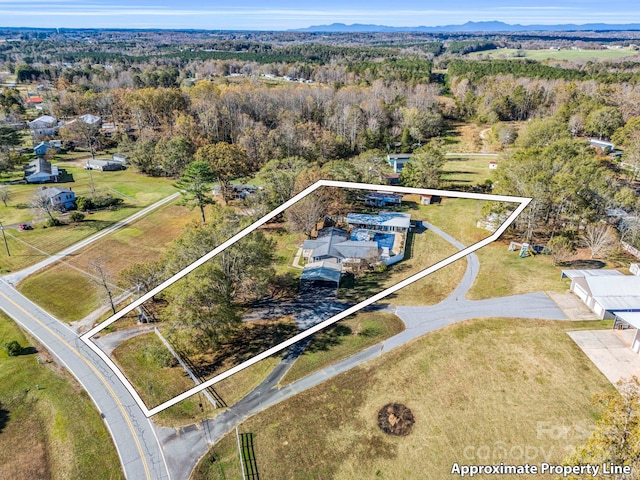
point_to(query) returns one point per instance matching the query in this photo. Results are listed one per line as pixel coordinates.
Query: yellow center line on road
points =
(98, 374)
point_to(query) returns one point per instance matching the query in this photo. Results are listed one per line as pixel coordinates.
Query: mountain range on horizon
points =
(491, 26)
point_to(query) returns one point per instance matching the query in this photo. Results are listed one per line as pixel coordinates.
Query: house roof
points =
(324, 244)
(33, 100)
(90, 119)
(325, 271)
(39, 165)
(356, 249)
(399, 156)
(590, 273)
(632, 318)
(615, 293)
(53, 191)
(46, 119)
(383, 219)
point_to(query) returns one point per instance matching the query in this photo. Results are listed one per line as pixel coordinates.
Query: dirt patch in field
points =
(395, 419)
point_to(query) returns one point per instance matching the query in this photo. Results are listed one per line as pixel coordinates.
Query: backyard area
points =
(483, 383)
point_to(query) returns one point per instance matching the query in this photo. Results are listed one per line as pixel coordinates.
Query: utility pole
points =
(6, 245)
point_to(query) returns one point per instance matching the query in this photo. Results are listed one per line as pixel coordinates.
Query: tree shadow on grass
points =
(329, 337)
(4, 417)
(585, 264)
(250, 340)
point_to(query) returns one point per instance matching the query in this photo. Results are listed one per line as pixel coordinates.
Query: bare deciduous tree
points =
(98, 266)
(5, 194)
(600, 238)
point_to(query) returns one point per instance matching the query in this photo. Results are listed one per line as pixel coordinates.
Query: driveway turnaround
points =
(133, 434)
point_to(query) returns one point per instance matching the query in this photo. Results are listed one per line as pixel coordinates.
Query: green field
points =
(472, 387)
(55, 432)
(472, 170)
(143, 240)
(563, 54)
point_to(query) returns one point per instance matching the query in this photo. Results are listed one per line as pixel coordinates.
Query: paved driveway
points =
(609, 352)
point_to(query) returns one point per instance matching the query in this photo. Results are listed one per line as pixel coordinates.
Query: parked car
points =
(25, 226)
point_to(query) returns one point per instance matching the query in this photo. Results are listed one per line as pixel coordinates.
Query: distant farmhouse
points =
(365, 240)
(43, 147)
(44, 125)
(41, 171)
(237, 190)
(60, 198)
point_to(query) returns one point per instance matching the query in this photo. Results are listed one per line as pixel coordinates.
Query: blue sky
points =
(284, 14)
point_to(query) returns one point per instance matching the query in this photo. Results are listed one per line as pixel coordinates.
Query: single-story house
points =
(120, 158)
(333, 243)
(605, 147)
(383, 222)
(61, 198)
(398, 161)
(43, 147)
(32, 101)
(605, 292)
(44, 125)
(103, 165)
(41, 171)
(382, 199)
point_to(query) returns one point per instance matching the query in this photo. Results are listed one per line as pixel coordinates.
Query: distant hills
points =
(493, 26)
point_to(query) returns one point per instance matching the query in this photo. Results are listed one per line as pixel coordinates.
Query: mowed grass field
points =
(472, 170)
(482, 391)
(143, 240)
(563, 54)
(55, 432)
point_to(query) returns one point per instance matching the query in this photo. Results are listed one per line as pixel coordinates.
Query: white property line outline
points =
(523, 201)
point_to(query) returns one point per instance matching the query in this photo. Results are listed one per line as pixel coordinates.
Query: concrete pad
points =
(609, 352)
(572, 306)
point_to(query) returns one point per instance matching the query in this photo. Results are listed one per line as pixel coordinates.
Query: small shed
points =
(426, 199)
(493, 165)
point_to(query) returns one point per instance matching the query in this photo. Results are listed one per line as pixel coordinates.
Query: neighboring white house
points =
(44, 125)
(61, 198)
(41, 171)
(103, 165)
(606, 292)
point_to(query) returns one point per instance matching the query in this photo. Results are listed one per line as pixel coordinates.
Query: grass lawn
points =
(342, 340)
(563, 54)
(483, 385)
(135, 189)
(157, 384)
(425, 249)
(64, 301)
(504, 273)
(55, 432)
(143, 240)
(467, 170)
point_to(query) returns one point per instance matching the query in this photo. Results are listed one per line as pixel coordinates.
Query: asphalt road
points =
(133, 434)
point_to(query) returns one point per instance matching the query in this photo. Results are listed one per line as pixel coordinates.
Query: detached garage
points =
(606, 292)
